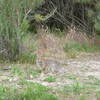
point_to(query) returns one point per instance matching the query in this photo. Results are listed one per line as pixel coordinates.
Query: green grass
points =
(16, 70)
(82, 91)
(33, 73)
(57, 32)
(98, 37)
(70, 76)
(29, 92)
(82, 98)
(98, 93)
(77, 47)
(25, 73)
(27, 58)
(28, 54)
(33, 91)
(75, 88)
(94, 82)
(2, 92)
(72, 53)
(50, 79)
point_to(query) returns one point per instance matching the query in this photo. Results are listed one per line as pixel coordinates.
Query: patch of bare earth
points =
(82, 67)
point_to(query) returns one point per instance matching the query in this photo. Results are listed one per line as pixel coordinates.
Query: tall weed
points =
(13, 25)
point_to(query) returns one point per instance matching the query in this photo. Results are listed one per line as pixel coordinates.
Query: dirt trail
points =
(81, 68)
(65, 72)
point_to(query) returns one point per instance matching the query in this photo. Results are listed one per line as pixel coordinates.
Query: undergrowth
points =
(80, 47)
(30, 92)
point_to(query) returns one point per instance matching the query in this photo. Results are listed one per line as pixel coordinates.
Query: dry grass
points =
(52, 47)
(49, 44)
(79, 37)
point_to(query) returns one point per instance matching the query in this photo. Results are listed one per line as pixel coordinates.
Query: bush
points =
(97, 24)
(13, 25)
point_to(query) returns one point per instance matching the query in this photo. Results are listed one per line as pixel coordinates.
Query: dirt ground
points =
(80, 68)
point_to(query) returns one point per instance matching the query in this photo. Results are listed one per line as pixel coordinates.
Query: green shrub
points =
(30, 92)
(13, 25)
